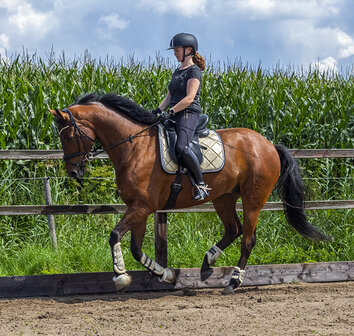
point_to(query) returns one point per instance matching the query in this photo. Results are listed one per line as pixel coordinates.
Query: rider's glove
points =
(163, 116)
(157, 111)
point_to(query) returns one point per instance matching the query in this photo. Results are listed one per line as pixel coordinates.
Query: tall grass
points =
(296, 109)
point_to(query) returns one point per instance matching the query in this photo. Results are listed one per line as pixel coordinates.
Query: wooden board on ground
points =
(91, 283)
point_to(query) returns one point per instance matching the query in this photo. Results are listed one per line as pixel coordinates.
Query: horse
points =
(128, 133)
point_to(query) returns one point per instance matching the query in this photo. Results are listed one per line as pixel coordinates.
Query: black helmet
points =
(184, 40)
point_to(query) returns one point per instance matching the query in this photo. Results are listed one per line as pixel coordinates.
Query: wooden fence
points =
(161, 216)
(101, 282)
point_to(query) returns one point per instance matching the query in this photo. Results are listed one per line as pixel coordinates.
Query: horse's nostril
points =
(73, 173)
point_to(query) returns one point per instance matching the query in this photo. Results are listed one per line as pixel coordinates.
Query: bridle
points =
(79, 135)
(89, 155)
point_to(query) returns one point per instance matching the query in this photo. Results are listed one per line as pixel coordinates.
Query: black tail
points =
(291, 191)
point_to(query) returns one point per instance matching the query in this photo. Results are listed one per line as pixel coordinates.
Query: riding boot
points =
(191, 162)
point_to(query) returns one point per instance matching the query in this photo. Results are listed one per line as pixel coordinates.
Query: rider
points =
(182, 100)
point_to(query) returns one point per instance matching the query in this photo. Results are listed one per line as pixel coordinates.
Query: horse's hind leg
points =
(250, 218)
(225, 208)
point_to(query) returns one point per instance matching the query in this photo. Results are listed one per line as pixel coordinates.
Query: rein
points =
(89, 155)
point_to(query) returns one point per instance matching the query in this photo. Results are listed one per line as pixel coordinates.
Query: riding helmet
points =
(184, 40)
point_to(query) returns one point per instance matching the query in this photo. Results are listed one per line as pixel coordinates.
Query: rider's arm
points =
(192, 89)
(166, 102)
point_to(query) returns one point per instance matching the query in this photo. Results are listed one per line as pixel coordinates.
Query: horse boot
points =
(192, 164)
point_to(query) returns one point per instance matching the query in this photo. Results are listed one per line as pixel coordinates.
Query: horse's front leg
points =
(164, 274)
(121, 278)
(134, 220)
(133, 217)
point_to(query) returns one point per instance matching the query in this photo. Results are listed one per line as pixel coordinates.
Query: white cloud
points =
(28, 20)
(4, 44)
(22, 19)
(346, 44)
(188, 8)
(10, 4)
(270, 9)
(311, 42)
(113, 21)
(328, 64)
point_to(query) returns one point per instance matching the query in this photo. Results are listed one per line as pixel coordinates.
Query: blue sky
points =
(272, 33)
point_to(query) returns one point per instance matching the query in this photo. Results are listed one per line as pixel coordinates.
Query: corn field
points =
(298, 110)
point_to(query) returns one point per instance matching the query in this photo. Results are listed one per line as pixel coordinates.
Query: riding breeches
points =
(186, 123)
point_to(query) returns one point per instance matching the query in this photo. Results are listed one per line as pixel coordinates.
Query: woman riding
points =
(182, 102)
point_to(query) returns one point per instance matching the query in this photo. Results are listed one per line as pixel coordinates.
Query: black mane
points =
(118, 104)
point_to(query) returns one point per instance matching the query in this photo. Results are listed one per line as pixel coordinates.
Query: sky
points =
(266, 33)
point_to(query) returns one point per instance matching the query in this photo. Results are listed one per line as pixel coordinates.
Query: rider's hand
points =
(157, 111)
(163, 116)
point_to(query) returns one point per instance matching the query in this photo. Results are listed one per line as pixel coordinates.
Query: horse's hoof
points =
(122, 281)
(206, 273)
(168, 276)
(228, 290)
(171, 275)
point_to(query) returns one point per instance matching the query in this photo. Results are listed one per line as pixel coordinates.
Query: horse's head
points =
(77, 139)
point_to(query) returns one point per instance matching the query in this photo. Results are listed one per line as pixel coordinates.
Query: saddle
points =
(200, 132)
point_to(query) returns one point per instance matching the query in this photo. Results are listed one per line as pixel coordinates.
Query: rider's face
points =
(178, 53)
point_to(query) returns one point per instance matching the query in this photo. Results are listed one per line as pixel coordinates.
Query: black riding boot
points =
(192, 164)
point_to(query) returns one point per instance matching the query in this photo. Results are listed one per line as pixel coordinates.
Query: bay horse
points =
(128, 133)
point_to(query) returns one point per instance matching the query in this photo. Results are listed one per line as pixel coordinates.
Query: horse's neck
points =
(112, 128)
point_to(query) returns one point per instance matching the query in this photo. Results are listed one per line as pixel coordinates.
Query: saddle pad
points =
(213, 154)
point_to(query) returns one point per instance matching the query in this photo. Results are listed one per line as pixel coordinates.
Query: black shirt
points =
(178, 86)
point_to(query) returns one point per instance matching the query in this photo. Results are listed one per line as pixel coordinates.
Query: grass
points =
(83, 243)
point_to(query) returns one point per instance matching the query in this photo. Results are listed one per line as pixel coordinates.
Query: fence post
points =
(160, 221)
(48, 201)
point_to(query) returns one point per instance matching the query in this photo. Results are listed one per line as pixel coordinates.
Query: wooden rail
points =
(95, 209)
(187, 278)
(57, 154)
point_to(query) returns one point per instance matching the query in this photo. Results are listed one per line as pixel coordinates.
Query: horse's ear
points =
(57, 114)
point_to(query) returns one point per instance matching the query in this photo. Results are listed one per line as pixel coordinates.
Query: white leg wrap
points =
(164, 274)
(152, 266)
(213, 254)
(118, 261)
(238, 274)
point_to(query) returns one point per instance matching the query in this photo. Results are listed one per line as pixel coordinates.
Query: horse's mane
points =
(118, 104)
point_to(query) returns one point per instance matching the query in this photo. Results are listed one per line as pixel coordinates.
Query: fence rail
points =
(57, 154)
(187, 278)
(96, 209)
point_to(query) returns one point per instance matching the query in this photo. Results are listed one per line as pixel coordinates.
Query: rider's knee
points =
(180, 148)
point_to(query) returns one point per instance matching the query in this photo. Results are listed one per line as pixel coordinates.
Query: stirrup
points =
(202, 191)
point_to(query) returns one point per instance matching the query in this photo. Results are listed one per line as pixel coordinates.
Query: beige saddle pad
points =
(213, 154)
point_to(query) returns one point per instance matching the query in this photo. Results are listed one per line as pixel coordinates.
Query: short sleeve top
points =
(178, 86)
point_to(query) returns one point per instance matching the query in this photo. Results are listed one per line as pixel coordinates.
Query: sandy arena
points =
(290, 309)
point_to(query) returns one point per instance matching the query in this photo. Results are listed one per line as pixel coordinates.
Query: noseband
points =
(79, 135)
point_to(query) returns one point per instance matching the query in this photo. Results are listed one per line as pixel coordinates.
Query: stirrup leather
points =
(201, 192)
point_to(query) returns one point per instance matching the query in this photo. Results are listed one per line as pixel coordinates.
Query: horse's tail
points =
(290, 189)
